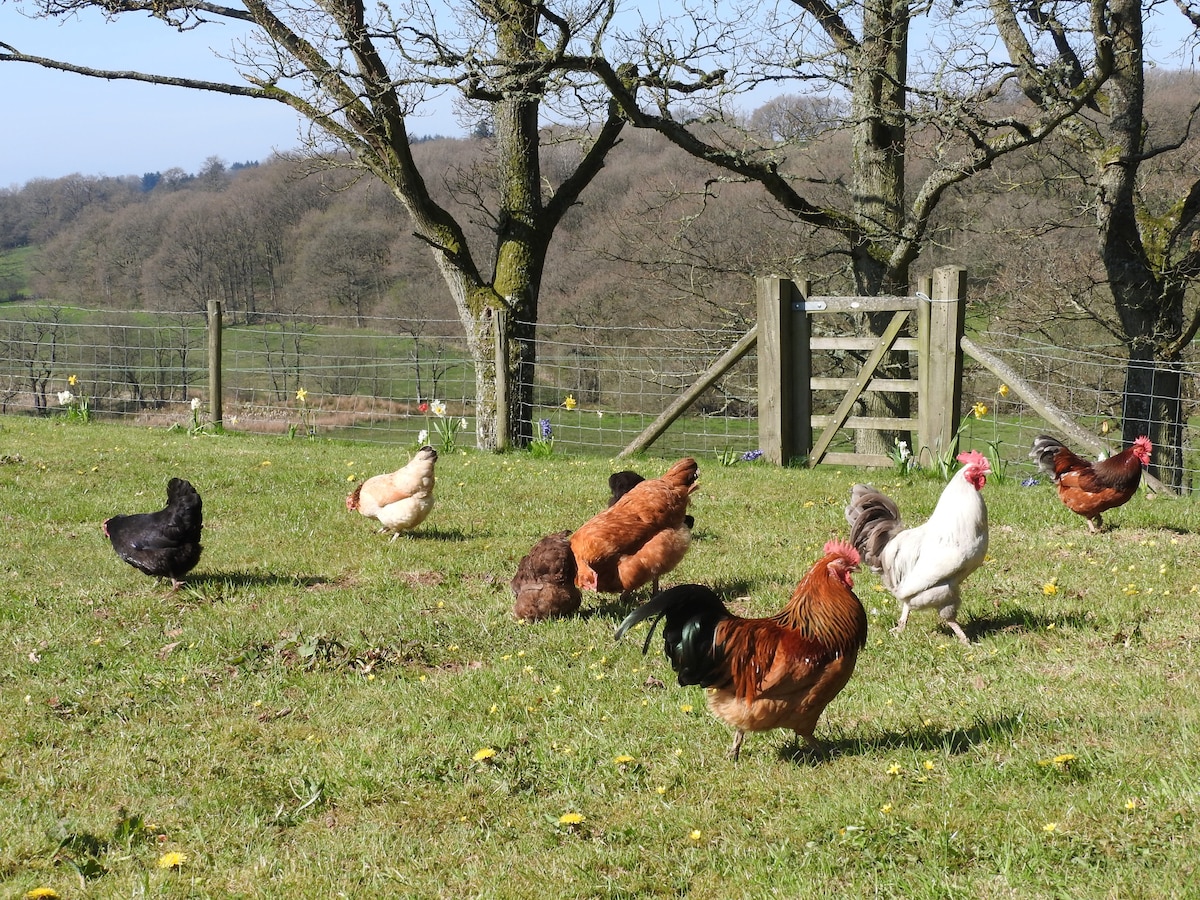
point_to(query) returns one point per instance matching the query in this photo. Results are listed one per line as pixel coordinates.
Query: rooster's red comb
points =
(842, 549)
(975, 458)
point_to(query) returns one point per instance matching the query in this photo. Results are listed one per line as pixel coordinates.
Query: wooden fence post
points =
(500, 323)
(784, 370)
(214, 362)
(940, 361)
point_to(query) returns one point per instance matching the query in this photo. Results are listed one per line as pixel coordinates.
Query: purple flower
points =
(1029, 482)
(751, 455)
(544, 426)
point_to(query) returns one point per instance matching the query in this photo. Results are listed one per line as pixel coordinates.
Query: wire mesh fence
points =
(595, 388)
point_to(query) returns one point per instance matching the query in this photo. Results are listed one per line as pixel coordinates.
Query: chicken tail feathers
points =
(874, 520)
(1045, 449)
(352, 497)
(692, 613)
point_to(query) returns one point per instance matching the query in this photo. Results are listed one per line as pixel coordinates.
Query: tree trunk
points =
(878, 108)
(1153, 406)
(1151, 312)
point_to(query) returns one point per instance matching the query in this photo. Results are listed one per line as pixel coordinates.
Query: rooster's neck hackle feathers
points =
(824, 607)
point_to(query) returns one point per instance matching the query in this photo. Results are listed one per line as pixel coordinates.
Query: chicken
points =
(401, 500)
(545, 581)
(780, 671)
(639, 538)
(1090, 488)
(924, 567)
(165, 544)
(620, 484)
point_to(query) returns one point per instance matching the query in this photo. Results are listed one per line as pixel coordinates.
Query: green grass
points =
(301, 720)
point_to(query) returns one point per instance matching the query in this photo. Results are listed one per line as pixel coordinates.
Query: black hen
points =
(165, 544)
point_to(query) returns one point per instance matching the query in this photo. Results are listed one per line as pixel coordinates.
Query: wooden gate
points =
(788, 429)
(785, 341)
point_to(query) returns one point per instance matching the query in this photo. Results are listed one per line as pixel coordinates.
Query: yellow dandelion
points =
(979, 410)
(1049, 588)
(929, 765)
(886, 808)
(695, 835)
(660, 790)
(1063, 758)
(1050, 827)
(686, 707)
(42, 893)
(1003, 391)
(1132, 803)
(570, 819)
(570, 403)
(894, 769)
(483, 753)
(172, 860)
(623, 759)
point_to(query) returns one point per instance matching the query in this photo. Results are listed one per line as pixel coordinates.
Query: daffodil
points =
(301, 394)
(570, 403)
(979, 410)
(195, 403)
(172, 860)
(438, 408)
(65, 397)
(72, 380)
(1003, 392)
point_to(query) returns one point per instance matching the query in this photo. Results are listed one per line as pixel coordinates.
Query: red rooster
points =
(775, 672)
(639, 538)
(1089, 488)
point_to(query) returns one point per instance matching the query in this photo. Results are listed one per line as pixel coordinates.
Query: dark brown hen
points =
(545, 581)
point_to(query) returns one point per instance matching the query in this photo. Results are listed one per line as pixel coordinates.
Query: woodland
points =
(659, 237)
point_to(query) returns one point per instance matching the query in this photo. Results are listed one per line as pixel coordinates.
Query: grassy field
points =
(322, 713)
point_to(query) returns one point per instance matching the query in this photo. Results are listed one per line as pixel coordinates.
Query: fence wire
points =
(384, 380)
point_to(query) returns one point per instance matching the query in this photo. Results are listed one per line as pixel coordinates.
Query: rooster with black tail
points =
(780, 671)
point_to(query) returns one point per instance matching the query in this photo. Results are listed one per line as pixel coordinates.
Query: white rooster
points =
(925, 566)
(399, 500)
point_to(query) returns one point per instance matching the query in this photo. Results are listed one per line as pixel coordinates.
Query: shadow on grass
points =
(1021, 620)
(953, 741)
(250, 579)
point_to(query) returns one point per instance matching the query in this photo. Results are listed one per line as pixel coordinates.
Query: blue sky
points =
(57, 124)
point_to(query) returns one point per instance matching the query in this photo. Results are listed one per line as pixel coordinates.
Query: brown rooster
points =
(545, 581)
(639, 538)
(1089, 488)
(775, 672)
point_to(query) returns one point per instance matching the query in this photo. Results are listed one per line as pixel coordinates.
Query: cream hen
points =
(400, 500)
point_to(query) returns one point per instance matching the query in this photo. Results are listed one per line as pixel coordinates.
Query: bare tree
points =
(357, 72)
(1146, 214)
(859, 53)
